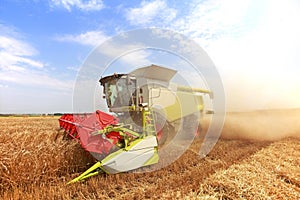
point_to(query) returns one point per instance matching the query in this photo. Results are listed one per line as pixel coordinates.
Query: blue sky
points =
(254, 44)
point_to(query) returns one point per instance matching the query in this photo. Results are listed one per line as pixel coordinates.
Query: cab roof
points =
(155, 72)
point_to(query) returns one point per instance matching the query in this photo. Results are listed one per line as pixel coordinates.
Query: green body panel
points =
(178, 105)
(152, 160)
(88, 173)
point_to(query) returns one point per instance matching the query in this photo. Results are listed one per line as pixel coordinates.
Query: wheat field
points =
(36, 163)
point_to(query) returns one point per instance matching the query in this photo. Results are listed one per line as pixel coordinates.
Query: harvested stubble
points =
(271, 173)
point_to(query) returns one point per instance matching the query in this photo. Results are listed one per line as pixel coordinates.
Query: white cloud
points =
(137, 56)
(15, 54)
(90, 38)
(113, 50)
(76, 69)
(212, 19)
(18, 66)
(149, 11)
(36, 79)
(3, 86)
(90, 5)
(12, 62)
(14, 46)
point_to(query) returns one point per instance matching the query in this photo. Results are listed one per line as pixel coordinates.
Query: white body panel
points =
(134, 158)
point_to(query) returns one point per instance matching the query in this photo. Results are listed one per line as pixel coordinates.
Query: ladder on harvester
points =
(149, 122)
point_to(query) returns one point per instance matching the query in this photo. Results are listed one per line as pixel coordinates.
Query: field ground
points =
(257, 158)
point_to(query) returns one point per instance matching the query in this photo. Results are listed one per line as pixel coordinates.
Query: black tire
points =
(163, 129)
(191, 125)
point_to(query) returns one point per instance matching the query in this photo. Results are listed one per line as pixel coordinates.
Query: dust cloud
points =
(261, 125)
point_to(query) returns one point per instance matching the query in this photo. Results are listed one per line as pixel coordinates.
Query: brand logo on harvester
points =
(150, 87)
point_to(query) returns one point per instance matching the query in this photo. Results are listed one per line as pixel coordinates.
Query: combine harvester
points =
(146, 110)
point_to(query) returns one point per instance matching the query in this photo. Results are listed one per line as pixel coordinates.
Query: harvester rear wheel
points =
(163, 129)
(191, 127)
(162, 134)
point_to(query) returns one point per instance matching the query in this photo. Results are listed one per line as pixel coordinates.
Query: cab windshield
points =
(120, 92)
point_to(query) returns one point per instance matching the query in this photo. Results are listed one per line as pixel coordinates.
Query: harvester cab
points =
(132, 91)
(118, 89)
(132, 96)
(146, 109)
